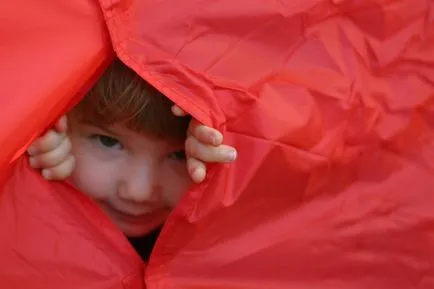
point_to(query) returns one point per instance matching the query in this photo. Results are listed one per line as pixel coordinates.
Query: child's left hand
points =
(51, 153)
(204, 145)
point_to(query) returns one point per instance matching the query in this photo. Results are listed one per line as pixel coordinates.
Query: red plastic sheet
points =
(329, 103)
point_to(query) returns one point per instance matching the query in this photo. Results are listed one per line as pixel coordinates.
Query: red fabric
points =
(51, 51)
(330, 104)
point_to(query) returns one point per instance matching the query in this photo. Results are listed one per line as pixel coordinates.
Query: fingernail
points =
(214, 140)
(231, 155)
(32, 162)
(176, 110)
(31, 150)
(198, 175)
(46, 174)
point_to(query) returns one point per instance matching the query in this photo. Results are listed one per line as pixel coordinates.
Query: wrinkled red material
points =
(330, 104)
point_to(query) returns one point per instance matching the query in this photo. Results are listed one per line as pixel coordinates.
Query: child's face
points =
(136, 179)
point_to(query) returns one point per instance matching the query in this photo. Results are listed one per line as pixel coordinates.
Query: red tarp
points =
(329, 103)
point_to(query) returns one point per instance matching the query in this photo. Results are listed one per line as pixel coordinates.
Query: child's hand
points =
(52, 153)
(204, 145)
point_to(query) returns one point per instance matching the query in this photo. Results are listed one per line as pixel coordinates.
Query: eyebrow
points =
(101, 127)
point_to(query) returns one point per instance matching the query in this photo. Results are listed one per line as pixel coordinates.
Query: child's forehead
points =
(153, 117)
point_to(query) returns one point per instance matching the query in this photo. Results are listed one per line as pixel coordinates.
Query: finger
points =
(62, 124)
(210, 154)
(196, 170)
(53, 157)
(176, 110)
(48, 142)
(205, 134)
(61, 171)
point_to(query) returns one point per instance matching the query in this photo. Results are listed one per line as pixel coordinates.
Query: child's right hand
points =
(51, 153)
(204, 145)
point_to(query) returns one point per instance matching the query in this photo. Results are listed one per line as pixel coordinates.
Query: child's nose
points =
(140, 185)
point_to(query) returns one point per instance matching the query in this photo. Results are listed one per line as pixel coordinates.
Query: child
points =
(125, 149)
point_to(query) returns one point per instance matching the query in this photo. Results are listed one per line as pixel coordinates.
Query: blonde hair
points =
(121, 96)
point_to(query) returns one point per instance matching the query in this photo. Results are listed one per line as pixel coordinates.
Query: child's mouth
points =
(156, 216)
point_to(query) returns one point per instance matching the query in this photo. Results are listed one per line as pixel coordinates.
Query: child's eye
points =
(178, 155)
(107, 141)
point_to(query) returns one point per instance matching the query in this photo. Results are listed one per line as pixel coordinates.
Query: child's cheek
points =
(93, 176)
(177, 182)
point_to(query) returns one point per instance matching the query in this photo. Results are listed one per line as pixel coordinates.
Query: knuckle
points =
(64, 169)
(55, 156)
(67, 144)
(201, 130)
(189, 146)
(204, 153)
(51, 159)
(58, 174)
(199, 151)
(214, 155)
(193, 126)
(49, 141)
(190, 164)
